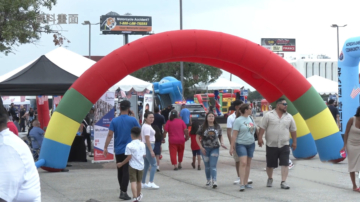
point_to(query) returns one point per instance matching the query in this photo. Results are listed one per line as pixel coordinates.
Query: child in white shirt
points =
(135, 152)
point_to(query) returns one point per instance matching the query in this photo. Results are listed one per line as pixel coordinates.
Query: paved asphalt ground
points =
(310, 180)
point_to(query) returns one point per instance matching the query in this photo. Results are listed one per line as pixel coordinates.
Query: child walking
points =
(135, 152)
(194, 145)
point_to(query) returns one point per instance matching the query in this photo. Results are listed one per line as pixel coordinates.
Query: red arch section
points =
(218, 49)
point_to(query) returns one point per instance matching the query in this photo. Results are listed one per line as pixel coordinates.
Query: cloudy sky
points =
(308, 21)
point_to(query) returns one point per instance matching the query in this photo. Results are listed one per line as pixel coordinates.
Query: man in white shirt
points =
(19, 178)
(229, 125)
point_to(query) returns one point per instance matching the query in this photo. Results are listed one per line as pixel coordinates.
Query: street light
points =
(88, 23)
(181, 63)
(337, 27)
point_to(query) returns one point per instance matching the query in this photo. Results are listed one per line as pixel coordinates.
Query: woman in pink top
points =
(178, 134)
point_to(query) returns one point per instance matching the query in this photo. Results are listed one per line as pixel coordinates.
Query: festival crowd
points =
(138, 148)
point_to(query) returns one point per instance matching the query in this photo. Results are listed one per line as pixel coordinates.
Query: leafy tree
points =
(193, 74)
(19, 24)
(254, 95)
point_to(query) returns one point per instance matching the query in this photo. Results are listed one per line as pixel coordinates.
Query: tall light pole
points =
(337, 27)
(88, 23)
(181, 63)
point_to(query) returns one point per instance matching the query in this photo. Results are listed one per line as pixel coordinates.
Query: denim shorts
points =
(245, 150)
(196, 152)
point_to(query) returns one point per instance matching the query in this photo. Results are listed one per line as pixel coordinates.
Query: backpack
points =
(88, 127)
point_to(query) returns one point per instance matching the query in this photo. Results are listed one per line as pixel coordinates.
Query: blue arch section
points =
(348, 80)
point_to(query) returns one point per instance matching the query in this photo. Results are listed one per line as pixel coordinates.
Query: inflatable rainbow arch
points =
(272, 76)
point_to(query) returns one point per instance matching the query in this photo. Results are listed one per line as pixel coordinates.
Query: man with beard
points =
(277, 124)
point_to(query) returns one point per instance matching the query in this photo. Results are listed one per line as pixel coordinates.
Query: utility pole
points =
(181, 63)
(88, 23)
(337, 27)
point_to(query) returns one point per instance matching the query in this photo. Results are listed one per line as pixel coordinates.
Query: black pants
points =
(123, 172)
(88, 141)
(22, 125)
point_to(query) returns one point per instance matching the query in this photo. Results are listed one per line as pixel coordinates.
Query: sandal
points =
(357, 189)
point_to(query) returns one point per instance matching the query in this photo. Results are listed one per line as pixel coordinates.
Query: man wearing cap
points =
(185, 115)
(120, 128)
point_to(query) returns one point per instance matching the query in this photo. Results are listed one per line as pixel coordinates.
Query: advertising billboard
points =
(279, 44)
(125, 24)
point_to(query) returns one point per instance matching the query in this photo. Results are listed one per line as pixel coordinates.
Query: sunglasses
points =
(285, 104)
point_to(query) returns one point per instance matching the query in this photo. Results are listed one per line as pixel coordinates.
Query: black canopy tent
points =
(42, 77)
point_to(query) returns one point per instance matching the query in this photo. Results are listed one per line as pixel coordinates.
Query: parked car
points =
(197, 111)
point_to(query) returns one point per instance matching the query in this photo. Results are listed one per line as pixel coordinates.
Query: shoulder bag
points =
(255, 134)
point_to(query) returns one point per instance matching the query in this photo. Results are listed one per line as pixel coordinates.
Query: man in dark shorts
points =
(277, 124)
(159, 121)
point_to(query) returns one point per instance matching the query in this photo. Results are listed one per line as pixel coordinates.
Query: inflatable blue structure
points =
(167, 91)
(348, 80)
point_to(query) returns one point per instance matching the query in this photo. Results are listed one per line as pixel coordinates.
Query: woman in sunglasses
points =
(243, 142)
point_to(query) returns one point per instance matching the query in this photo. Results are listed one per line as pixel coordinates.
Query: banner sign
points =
(104, 113)
(124, 24)
(244, 93)
(279, 44)
(148, 104)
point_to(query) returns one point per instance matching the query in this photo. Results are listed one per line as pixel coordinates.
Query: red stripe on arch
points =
(191, 43)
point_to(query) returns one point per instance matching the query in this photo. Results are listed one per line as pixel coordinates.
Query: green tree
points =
(193, 74)
(254, 95)
(19, 23)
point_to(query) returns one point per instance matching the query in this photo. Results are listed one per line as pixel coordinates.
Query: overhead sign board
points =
(279, 44)
(125, 24)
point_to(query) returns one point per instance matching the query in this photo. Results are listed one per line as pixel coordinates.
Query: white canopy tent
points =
(76, 65)
(323, 85)
(129, 82)
(14, 99)
(220, 83)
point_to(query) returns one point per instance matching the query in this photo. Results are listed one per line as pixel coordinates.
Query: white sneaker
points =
(250, 181)
(237, 181)
(144, 186)
(152, 185)
(291, 166)
(140, 197)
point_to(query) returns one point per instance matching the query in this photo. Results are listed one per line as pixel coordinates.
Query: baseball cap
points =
(125, 104)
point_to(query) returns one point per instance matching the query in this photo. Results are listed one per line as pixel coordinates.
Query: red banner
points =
(288, 48)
